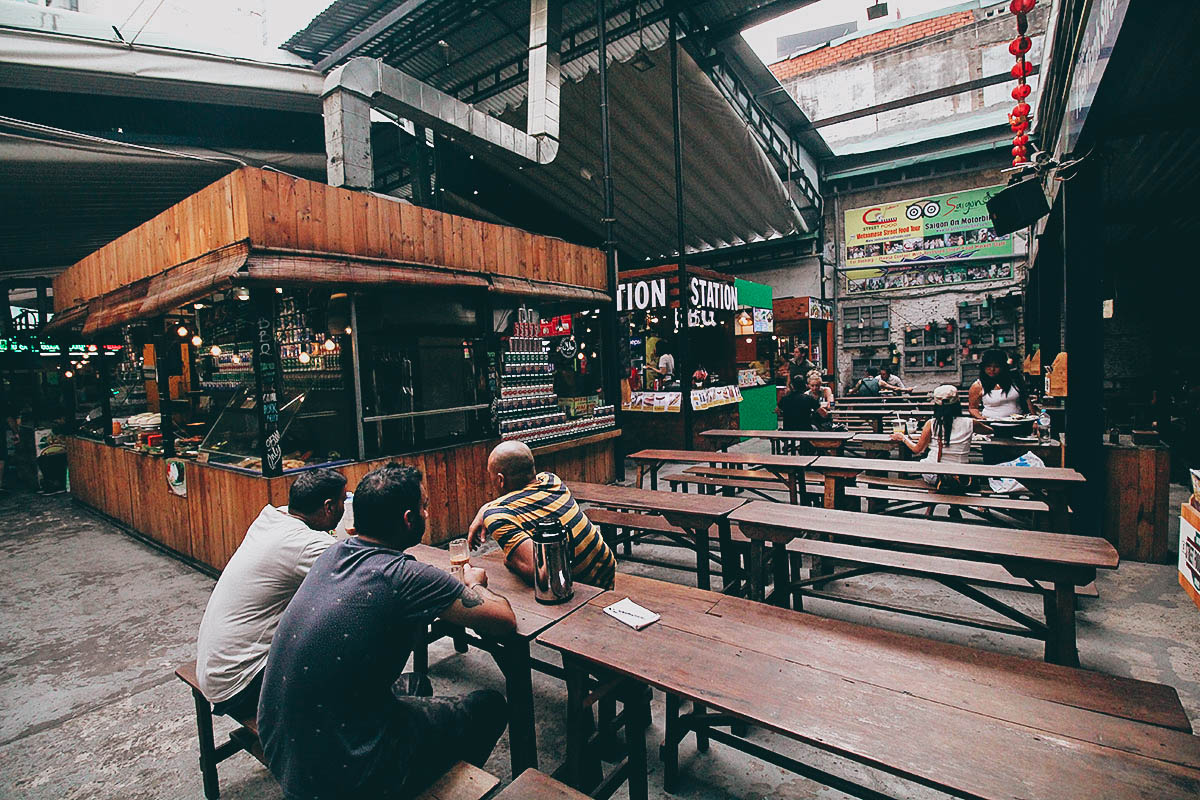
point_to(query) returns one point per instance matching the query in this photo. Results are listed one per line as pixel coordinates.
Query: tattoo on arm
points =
(474, 596)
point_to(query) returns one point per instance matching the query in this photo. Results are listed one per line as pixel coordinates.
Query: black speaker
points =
(876, 11)
(1018, 206)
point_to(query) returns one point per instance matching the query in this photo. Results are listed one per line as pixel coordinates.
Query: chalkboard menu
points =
(268, 380)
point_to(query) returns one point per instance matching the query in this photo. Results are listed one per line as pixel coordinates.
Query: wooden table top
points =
(997, 544)
(720, 433)
(704, 505)
(713, 457)
(872, 413)
(1059, 475)
(532, 617)
(922, 709)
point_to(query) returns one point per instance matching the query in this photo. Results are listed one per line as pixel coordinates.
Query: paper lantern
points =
(1021, 110)
(1018, 151)
(1022, 69)
(1022, 139)
(1021, 91)
(1021, 6)
(1020, 45)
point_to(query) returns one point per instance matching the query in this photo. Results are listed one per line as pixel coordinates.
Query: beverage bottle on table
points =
(1044, 425)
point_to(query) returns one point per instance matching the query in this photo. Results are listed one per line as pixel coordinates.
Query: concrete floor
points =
(93, 622)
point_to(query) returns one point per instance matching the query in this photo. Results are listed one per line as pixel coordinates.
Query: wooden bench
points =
(625, 523)
(534, 785)
(463, 781)
(756, 481)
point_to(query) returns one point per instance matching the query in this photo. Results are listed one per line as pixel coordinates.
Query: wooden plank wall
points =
(208, 524)
(273, 210)
(1137, 510)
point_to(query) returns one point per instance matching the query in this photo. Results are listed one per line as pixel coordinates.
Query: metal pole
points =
(684, 369)
(608, 327)
(355, 365)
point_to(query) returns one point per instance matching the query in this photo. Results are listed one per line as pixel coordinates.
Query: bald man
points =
(523, 498)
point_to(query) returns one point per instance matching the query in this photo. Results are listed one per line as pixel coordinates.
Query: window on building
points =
(865, 325)
(931, 347)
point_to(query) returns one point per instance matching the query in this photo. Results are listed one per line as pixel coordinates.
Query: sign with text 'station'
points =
(650, 293)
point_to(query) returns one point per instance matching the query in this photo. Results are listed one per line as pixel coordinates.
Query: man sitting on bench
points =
(255, 587)
(333, 719)
(524, 498)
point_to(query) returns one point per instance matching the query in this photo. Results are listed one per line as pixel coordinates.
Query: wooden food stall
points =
(649, 326)
(268, 324)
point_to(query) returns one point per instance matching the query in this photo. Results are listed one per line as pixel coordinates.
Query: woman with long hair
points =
(999, 393)
(947, 437)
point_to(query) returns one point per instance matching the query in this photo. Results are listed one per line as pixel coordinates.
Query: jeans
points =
(445, 730)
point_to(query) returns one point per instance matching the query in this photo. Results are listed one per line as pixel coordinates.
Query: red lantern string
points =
(1018, 118)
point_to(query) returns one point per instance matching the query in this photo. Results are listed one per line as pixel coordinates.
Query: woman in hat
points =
(949, 433)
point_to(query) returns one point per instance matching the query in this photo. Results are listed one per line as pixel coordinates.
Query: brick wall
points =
(871, 43)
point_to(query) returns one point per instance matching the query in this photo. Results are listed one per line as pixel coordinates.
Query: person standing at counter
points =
(526, 497)
(255, 587)
(337, 718)
(799, 365)
(999, 393)
(666, 362)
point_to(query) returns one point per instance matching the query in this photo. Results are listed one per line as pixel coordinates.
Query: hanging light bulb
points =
(215, 350)
(347, 330)
(330, 345)
(236, 359)
(182, 331)
(305, 357)
(197, 341)
(241, 293)
(68, 374)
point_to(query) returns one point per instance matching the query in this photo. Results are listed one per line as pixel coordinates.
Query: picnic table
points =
(788, 469)
(876, 417)
(994, 449)
(511, 652)
(828, 442)
(964, 722)
(696, 514)
(1062, 560)
(1052, 483)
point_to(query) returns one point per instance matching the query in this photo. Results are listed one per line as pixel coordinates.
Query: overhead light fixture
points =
(876, 11)
(197, 306)
(197, 341)
(68, 374)
(349, 330)
(305, 357)
(182, 331)
(641, 60)
(241, 293)
(278, 290)
(215, 350)
(330, 345)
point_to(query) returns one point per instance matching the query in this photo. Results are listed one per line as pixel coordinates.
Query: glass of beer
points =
(460, 557)
(898, 426)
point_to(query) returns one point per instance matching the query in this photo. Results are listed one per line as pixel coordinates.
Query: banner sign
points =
(943, 227)
(915, 277)
(702, 399)
(645, 294)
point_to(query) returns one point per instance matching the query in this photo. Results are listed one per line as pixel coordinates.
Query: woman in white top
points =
(949, 433)
(999, 393)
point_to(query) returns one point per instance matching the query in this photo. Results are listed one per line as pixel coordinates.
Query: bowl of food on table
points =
(1014, 426)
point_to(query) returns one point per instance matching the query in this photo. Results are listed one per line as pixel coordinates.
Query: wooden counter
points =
(208, 524)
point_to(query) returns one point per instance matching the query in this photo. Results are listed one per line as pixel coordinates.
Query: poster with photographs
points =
(916, 242)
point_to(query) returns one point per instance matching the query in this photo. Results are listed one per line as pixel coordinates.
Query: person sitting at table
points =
(950, 433)
(868, 385)
(336, 717)
(523, 498)
(254, 588)
(806, 405)
(999, 393)
(889, 382)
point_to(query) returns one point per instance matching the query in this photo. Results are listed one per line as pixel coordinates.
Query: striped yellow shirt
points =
(509, 519)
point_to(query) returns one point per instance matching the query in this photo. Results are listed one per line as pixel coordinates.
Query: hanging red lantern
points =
(1021, 140)
(1021, 6)
(1019, 125)
(1021, 91)
(1021, 110)
(1022, 69)
(928, 327)
(1019, 151)
(1020, 45)
(1018, 161)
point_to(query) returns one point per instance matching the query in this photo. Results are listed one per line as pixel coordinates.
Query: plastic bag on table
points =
(1009, 485)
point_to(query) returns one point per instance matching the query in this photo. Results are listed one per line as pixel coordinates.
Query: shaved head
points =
(513, 460)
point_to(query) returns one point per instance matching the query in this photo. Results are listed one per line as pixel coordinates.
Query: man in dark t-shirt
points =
(798, 408)
(334, 720)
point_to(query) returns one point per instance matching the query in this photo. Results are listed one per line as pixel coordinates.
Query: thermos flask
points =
(551, 562)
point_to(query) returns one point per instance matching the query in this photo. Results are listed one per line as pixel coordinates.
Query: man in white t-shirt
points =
(256, 586)
(666, 361)
(890, 381)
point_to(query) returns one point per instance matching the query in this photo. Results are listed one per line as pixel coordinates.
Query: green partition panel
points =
(756, 412)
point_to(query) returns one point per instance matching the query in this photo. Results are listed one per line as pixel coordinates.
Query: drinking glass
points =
(460, 557)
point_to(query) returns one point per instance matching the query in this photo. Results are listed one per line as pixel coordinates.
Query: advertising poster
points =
(942, 238)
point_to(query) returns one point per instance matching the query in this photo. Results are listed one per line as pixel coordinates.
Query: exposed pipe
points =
(353, 89)
(609, 332)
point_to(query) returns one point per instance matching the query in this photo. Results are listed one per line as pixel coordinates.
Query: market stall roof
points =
(474, 51)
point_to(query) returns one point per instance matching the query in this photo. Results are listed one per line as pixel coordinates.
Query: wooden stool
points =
(245, 738)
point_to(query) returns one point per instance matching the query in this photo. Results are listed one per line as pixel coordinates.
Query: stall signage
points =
(818, 309)
(649, 293)
(266, 357)
(764, 321)
(943, 227)
(642, 295)
(702, 399)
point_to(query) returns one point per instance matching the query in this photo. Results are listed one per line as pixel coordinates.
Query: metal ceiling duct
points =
(359, 85)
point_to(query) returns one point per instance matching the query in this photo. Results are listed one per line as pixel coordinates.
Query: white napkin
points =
(632, 614)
